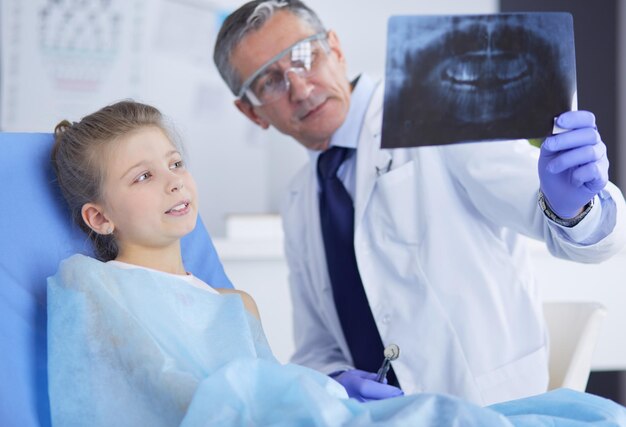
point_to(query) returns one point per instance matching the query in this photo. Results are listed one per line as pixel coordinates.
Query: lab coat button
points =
(386, 319)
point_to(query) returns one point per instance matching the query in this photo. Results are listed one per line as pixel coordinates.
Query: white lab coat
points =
(445, 273)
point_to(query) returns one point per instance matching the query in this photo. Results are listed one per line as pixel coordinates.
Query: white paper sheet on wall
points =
(186, 31)
(60, 60)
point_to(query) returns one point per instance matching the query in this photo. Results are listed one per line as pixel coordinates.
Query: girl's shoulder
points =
(78, 262)
(248, 301)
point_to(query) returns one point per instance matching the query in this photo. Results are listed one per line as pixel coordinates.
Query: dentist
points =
(431, 256)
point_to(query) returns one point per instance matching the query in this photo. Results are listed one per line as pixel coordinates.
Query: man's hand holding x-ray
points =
(573, 166)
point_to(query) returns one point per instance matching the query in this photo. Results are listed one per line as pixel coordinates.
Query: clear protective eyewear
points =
(270, 82)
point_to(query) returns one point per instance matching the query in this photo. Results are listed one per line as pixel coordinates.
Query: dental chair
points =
(36, 233)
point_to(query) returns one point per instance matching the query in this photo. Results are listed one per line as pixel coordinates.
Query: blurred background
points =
(62, 59)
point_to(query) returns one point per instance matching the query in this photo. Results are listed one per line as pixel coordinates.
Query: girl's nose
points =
(176, 185)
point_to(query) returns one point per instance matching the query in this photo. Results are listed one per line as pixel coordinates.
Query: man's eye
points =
(177, 165)
(268, 83)
(143, 177)
(300, 63)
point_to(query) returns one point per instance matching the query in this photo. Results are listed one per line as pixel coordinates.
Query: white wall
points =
(239, 168)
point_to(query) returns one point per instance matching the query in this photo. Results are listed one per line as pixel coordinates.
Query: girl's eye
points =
(178, 164)
(143, 177)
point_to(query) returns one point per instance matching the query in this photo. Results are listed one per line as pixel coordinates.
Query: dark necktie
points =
(337, 220)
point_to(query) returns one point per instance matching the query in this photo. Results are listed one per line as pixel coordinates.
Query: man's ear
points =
(335, 46)
(248, 110)
(94, 217)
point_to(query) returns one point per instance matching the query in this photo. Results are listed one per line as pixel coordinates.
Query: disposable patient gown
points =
(134, 347)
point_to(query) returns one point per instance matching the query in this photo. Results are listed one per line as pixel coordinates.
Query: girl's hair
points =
(79, 154)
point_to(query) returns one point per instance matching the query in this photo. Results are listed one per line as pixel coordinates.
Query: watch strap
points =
(569, 222)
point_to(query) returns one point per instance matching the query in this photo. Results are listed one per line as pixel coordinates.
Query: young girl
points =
(135, 339)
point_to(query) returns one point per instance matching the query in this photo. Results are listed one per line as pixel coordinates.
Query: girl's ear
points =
(94, 217)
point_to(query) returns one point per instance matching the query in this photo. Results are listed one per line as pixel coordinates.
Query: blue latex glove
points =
(362, 385)
(573, 166)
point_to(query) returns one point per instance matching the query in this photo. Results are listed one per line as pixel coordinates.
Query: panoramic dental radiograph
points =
(476, 77)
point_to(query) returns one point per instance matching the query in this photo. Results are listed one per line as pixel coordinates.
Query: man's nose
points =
(299, 86)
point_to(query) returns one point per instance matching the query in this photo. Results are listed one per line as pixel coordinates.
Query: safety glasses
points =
(271, 81)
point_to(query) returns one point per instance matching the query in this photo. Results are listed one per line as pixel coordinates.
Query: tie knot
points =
(330, 160)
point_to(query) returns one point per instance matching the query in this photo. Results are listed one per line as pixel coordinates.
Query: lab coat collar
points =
(371, 160)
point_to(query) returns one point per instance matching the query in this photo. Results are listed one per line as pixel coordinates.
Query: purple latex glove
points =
(573, 166)
(362, 385)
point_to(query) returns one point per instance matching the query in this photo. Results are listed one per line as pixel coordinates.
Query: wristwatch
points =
(570, 222)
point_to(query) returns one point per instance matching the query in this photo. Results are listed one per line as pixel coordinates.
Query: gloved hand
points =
(573, 166)
(363, 386)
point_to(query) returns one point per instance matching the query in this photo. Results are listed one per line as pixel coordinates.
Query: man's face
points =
(314, 107)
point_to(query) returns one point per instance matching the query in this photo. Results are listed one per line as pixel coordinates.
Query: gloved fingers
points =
(362, 386)
(373, 390)
(577, 157)
(576, 120)
(363, 374)
(572, 139)
(592, 175)
(367, 375)
(596, 185)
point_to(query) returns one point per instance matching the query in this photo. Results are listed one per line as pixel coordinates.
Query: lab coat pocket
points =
(523, 377)
(395, 205)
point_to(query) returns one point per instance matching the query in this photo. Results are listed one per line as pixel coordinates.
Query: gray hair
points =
(251, 17)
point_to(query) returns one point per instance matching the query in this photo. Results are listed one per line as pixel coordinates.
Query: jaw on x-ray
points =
(476, 77)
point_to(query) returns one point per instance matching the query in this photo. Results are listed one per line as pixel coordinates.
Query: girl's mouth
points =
(180, 209)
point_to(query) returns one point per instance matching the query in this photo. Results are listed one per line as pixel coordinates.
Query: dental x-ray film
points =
(467, 78)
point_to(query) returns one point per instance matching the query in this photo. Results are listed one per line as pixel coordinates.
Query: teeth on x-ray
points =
(473, 78)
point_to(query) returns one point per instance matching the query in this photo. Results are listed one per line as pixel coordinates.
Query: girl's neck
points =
(168, 259)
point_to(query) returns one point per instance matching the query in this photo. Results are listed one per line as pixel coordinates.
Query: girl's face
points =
(149, 196)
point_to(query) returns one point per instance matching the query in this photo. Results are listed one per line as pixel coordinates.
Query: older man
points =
(417, 247)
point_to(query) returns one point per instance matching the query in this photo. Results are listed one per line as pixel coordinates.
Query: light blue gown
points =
(141, 348)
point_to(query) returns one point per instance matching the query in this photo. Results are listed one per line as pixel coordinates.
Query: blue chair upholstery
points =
(36, 233)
